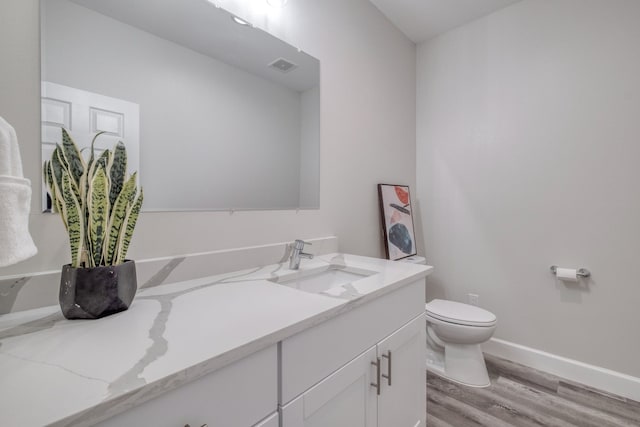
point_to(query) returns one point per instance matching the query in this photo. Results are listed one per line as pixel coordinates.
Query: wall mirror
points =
(216, 115)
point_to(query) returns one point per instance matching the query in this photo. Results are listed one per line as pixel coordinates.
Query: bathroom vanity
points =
(339, 342)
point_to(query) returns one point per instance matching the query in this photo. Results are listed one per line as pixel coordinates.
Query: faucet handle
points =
(299, 244)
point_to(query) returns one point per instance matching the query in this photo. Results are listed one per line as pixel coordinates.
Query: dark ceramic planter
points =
(92, 293)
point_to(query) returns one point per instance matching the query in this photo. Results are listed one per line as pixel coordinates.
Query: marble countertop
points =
(60, 372)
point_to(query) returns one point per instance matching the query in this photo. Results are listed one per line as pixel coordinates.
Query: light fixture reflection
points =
(277, 3)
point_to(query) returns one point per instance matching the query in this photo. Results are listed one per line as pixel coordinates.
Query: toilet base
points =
(461, 363)
(465, 364)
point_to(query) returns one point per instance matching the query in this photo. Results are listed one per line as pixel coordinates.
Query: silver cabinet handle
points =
(377, 383)
(388, 376)
(203, 425)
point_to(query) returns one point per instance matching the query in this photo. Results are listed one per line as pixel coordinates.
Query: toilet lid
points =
(461, 314)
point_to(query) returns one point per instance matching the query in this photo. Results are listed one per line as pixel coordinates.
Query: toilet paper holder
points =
(582, 272)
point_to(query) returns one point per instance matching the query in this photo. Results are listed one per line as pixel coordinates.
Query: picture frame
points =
(396, 214)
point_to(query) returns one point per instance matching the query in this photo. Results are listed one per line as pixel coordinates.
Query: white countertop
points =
(62, 372)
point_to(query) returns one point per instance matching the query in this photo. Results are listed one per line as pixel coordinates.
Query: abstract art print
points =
(397, 221)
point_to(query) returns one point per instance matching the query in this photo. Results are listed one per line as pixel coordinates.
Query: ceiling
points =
(421, 20)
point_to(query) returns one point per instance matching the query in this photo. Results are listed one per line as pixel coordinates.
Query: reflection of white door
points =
(84, 114)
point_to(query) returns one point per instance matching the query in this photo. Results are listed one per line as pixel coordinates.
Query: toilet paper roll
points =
(567, 274)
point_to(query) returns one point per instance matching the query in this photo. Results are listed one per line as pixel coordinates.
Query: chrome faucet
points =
(297, 254)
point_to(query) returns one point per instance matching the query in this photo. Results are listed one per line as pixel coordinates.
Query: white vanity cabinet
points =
(364, 367)
(385, 387)
(241, 394)
(383, 384)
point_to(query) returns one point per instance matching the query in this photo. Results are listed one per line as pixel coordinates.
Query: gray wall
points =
(367, 127)
(528, 130)
(309, 148)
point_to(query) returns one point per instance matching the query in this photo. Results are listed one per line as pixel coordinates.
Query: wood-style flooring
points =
(523, 397)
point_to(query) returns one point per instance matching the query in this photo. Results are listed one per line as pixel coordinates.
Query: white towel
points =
(16, 243)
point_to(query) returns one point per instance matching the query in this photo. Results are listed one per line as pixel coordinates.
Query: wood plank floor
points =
(524, 397)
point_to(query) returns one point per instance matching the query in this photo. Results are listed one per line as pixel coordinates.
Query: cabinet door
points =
(344, 399)
(402, 401)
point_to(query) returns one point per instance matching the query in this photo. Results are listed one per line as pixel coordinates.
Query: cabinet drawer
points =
(310, 356)
(241, 394)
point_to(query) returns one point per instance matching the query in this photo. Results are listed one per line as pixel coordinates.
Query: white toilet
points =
(455, 332)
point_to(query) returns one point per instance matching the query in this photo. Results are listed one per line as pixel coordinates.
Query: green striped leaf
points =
(127, 231)
(56, 195)
(117, 170)
(60, 166)
(45, 172)
(48, 179)
(98, 210)
(48, 176)
(57, 165)
(103, 160)
(56, 204)
(84, 185)
(75, 163)
(92, 164)
(93, 142)
(75, 222)
(118, 216)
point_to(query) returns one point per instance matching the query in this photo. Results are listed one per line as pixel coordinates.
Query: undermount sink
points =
(320, 280)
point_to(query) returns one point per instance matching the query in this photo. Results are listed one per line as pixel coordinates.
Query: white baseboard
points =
(573, 370)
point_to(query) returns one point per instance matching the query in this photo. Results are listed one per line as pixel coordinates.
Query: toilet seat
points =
(460, 314)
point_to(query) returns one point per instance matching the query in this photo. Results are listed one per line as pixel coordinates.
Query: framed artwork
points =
(397, 221)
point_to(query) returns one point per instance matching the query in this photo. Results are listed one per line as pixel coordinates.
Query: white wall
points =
(528, 128)
(367, 128)
(201, 119)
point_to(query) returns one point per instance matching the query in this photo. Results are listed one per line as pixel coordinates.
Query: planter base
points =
(92, 293)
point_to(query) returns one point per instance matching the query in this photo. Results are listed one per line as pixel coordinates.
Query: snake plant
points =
(98, 204)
